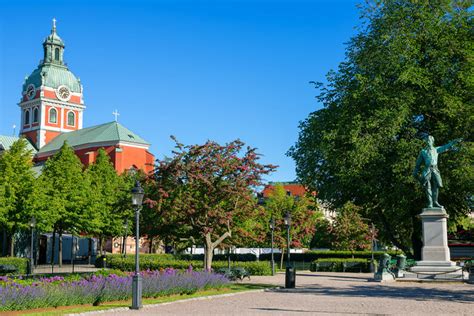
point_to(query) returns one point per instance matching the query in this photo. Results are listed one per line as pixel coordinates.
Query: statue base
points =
(435, 255)
(384, 277)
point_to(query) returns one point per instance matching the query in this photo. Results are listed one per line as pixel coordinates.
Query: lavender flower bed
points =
(55, 291)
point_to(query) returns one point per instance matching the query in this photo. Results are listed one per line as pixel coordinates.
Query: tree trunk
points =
(53, 245)
(101, 245)
(4, 242)
(150, 241)
(208, 256)
(89, 251)
(281, 258)
(209, 247)
(60, 248)
(12, 245)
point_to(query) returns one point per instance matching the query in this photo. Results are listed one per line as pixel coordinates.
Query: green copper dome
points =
(52, 75)
(52, 71)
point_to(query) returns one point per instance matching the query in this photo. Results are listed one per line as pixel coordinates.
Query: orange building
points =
(52, 108)
(292, 188)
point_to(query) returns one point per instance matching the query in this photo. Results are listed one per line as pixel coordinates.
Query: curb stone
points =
(122, 309)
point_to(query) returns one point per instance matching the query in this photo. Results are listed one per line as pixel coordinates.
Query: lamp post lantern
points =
(290, 272)
(137, 199)
(32, 226)
(272, 229)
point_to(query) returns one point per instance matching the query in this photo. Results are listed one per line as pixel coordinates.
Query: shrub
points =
(21, 264)
(310, 256)
(254, 268)
(93, 289)
(241, 257)
(157, 262)
(337, 265)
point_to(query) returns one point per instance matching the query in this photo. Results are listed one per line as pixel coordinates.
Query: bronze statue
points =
(430, 177)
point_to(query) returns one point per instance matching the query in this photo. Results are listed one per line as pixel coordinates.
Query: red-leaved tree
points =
(206, 190)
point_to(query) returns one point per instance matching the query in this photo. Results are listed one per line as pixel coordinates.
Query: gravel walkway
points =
(330, 294)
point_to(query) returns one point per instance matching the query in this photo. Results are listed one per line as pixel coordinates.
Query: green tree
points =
(322, 237)
(207, 187)
(407, 72)
(16, 188)
(303, 218)
(64, 191)
(105, 213)
(349, 231)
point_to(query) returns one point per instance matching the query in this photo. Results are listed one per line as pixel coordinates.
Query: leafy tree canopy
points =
(105, 214)
(204, 190)
(304, 216)
(64, 191)
(16, 188)
(407, 73)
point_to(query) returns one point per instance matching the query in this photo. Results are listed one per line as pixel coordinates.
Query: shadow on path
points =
(355, 277)
(284, 310)
(379, 291)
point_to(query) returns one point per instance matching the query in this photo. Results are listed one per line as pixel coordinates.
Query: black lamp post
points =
(287, 224)
(124, 242)
(272, 229)
(32, 226)
(290, 272)
(372, 237)
(137, 199)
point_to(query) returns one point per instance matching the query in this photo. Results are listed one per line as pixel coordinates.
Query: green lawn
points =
(233, 288)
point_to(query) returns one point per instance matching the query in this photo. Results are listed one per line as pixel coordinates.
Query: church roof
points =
(52, 71)
(52, 75)
(7, 141)
(105, 133)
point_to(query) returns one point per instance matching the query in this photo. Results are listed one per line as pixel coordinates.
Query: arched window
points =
(27, 117)
(35, 115)
(71, 119)
(53, 115)
(56, 54)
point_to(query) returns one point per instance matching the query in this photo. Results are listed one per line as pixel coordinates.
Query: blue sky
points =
(198, 70)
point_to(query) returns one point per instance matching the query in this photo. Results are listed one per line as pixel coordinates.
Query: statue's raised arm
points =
(430, 177)
(448, 146)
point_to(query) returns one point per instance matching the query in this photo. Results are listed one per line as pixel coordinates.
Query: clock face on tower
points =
(30, 91)
(63, 93)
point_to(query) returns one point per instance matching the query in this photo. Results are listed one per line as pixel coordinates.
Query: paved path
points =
(331, 294)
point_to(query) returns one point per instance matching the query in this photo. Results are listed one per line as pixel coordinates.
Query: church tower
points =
(52, 101)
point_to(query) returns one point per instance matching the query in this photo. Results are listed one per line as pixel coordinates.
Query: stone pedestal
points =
(384, 277)
(435, 256)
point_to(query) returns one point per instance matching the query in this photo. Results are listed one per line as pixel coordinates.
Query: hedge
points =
(254, 268)
(242, 257)
(310, 256)
(338, 264)
(157, 262)
(20, 263)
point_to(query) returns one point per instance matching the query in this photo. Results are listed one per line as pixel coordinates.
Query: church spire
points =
(53, 47)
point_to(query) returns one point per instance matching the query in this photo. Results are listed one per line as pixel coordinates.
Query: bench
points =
(241, 273)
(352, 266)
(323, 264)
(233, 274)
(7, 268)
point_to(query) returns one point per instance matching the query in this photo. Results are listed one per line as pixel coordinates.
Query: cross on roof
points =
(116, 114)
(54, 24)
